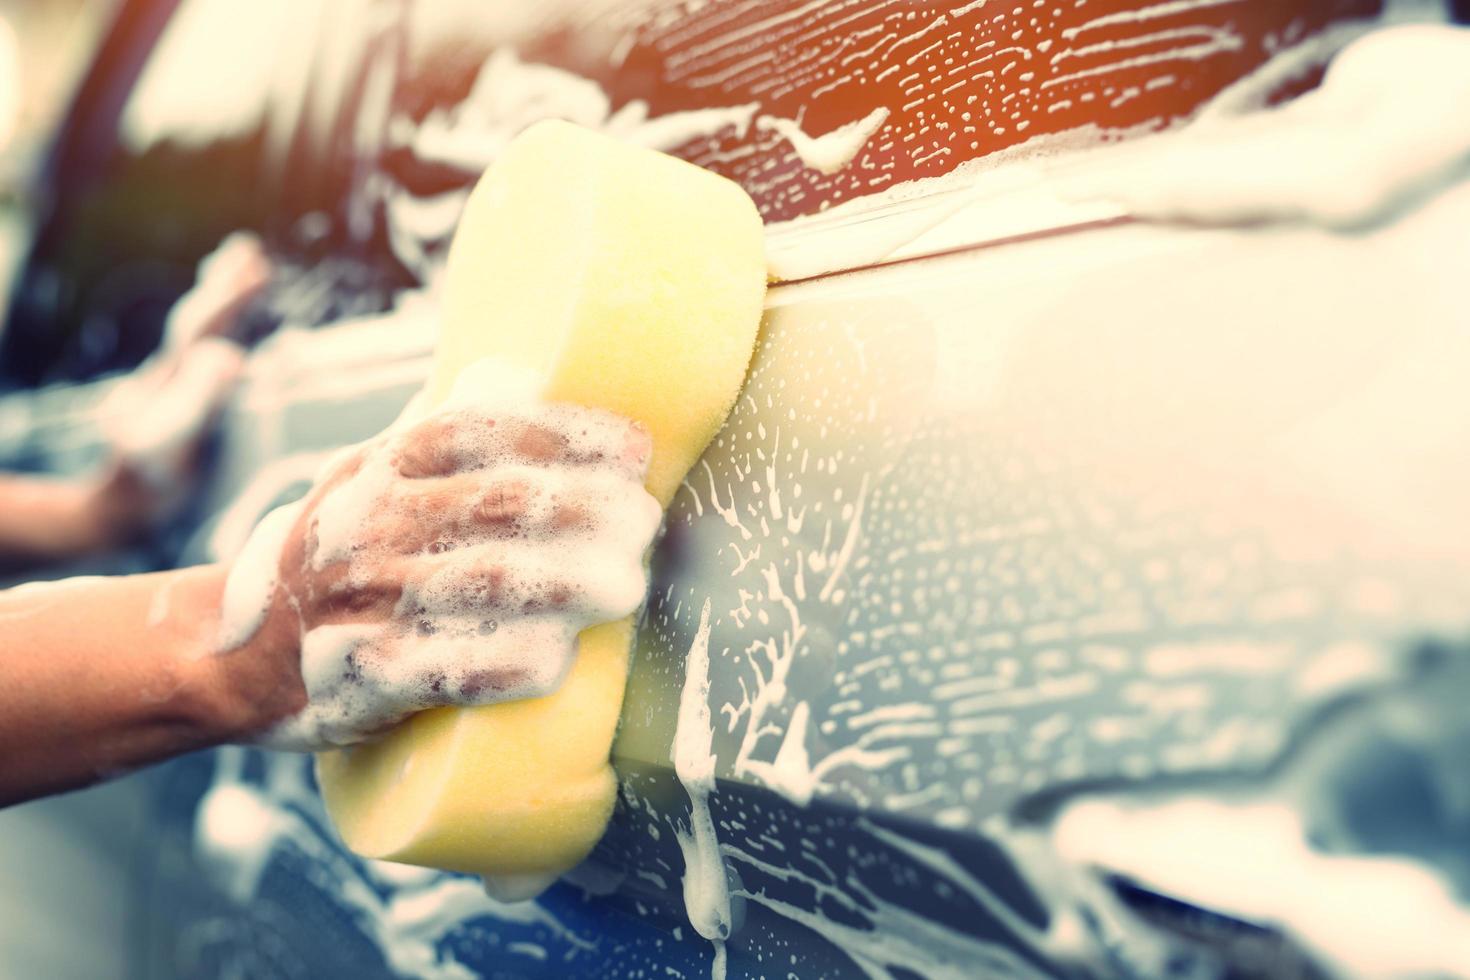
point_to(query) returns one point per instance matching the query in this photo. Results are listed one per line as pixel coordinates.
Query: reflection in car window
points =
(185, 168)
(465, 92)
(210, 76)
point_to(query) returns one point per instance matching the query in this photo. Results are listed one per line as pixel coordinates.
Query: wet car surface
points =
(1120, 512)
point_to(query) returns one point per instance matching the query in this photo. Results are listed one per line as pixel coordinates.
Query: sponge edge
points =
(626, 280)
(583, 259)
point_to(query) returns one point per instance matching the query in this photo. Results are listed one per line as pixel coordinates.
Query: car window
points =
(210, 77)
(183, 163)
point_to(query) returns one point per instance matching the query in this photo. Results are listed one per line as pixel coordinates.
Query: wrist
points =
(252, 687)
(117, 506)
(262, 680)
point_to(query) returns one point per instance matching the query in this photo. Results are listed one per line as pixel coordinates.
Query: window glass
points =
(210, 77)
(180, 164)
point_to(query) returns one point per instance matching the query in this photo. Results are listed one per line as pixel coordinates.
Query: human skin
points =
(105, 675)
(48, 519)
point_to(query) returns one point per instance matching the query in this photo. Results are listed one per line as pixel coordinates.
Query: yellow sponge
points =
(628, 280)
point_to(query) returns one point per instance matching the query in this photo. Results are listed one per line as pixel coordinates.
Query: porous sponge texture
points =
(627, 280)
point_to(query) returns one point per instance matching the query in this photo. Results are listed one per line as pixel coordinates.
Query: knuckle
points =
(539, 442)
(333, 598)
(637, 446)
(503, 503)
(477, 684)
(487, 585)
(571, 516)
(428, 451)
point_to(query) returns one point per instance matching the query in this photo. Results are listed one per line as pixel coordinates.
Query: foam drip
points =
(706, 890)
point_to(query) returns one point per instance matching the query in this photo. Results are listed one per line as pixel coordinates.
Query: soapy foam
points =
(876, 225)
(706, 889)
(833, 150)
(252, 581)
(843, 935)
(1380, 132)
(1221, 167)
(633, 124)
(510, 94)
(986, 696)
(233, 531)
(493, 564)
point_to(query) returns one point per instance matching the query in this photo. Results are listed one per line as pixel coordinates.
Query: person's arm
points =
(153, 420)
(449, 563)
(46, 519)
(104, 675)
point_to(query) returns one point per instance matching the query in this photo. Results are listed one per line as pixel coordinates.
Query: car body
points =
(1029, 505)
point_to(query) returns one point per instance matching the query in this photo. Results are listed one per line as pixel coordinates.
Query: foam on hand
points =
(235, 271)
(251, 584)
(452, 562)
(491, 619)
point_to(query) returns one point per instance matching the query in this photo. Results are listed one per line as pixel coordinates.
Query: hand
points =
(154, 421)
(236, 272)
(156, 418)
(452, 562)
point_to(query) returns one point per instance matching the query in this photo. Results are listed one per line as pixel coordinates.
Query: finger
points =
(474, 587)
(617, 510)
(448, 442)
(535, 442)
(482, 585)
(544, 435)
(528, 500)
(568, 434)
(340, 467)
(486, 685)
(637, 449)
(340, 594)
(571, 515)
(521, 503)
(565, 435)
(496, 674)
(486, 583)
(429, 449)
(582, 509)
(434, 516)
(503, 503)
(473, 507)
(304, 542)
